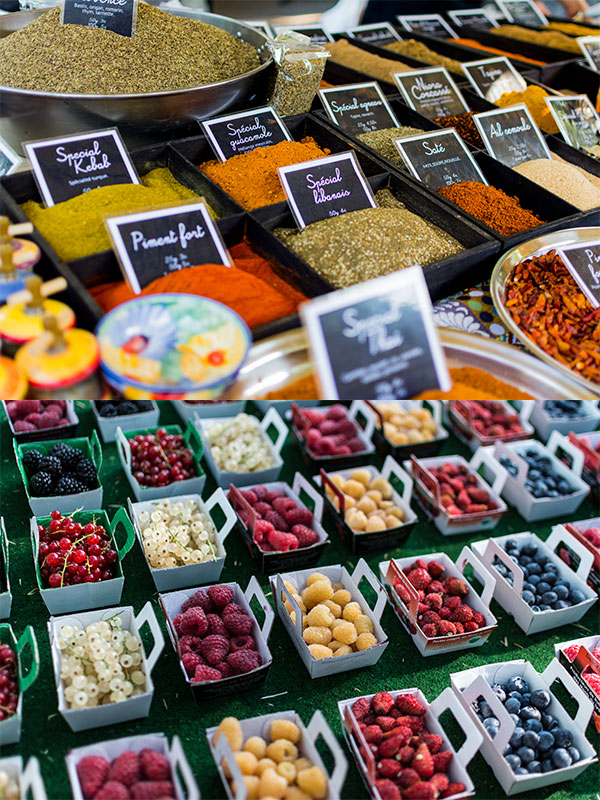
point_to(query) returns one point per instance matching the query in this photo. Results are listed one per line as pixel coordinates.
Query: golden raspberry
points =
(320, 616)
(295, 793)
(365, 640)
(363, 624)
(251, 782)
(265, 763)
(282, 750)
(341, 597)
(362, 476)
(303, 763)
(256, 745)
(351, 611)
(319, 651)
(313, 781)
(334, 608)
(287, 770)
(345, 632)
(344, 650)
(285, 729)
(246, 761)
(316, 576)
(313, 635)
(271, 784)
(231, 729)
(316, 593)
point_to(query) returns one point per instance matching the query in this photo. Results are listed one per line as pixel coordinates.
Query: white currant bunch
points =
(177, 533)
(239, 445)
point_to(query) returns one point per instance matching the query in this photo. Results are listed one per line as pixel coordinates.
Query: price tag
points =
(476, 18)
(326, 187)
(439, 158)
(525, 12)
(577, 120)
(9, 160)
(118, 16)
(583, 262)
(70, 165)
(358, 108)
(493, 77)
(150, 244)
(590, 47)
(511, 136)
(379, 33)
(262, 26)
(376, 340)
(316, 33)
(245, 131)
(431, 92)
(429, 24)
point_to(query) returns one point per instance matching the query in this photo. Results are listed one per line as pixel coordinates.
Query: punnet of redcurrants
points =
(539, 743)
(9, 682)
(542, 480)
(70, 553)
(62, 470)
(158, 459)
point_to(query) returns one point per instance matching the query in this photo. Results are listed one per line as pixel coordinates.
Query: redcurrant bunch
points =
(160, 458)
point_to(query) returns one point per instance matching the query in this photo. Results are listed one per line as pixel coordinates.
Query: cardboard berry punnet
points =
(188, 409)
(56, 432)
(589, 444)
(546, 424)
(260, 726)
(578, 659)
(457, 769)
(389, 571)
(10, 728)
(577, 529)
(477, 682)
(127, 422)
(6, 595)
(462, 419)
(272, 561)
(420, 449)
(28, 778)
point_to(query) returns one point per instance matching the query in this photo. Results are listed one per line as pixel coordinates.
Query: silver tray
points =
(501, 274)
(275, 362)
(29, 114)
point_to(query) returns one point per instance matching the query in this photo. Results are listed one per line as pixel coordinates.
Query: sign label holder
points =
(577, 119)
(523, 12)
(258, 127)
(493, 77)
(411, 23)
(461, 18)
(366, 107)
(421, 91)
(583, 262)
(428, 155)
(118, 16)
(590, 47)
(377, 33)
(512, 151)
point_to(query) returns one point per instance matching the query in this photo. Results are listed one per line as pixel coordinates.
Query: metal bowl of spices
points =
(501, 282)
(281, 360)
(30, 114)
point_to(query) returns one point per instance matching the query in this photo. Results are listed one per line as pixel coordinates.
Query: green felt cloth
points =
(46, 735)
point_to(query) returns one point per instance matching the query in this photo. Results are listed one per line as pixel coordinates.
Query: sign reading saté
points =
(326, 187)
(429, 24)
(358, 108)
(240, 133)
(379, 33)
(70, 165)
(577, 119)
(511, 136)
(476, 18)
(150, 244)
(376, 340)
(439, 158)
(590, 47)
(431, 92)
(118, 16)
(583, 262)
(493, 77)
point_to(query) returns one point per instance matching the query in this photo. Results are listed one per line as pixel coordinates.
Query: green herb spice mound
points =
(166, 53)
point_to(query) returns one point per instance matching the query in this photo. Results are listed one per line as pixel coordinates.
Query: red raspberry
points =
(420, 791)
(204, 673)
(459, 627)
(478, 619)
(177, 619)
(261, 492)
(273, 494)
(199, 598)
(299, 516)
(282, 542)
(388, 790)
(441, 781)
(92, 772)
(249, 495)
(242, 643)
(216, 625)
(433, 742)
(190, 661)
(152, 790)
(419, 578)
(336, 412)
(113, 790)
(441, 761)
(452, 602)
(244, 661)
(262, 529)
(328, 427)
(306, 536)
(155, 766)
(381, 703)
(21, 426)
(356, 445)
(373, 734)
(194, 622)
(189, 644)
(469, 627)
(214, 649)
(408, 704)
(225, 670)
(221, 595)
(125, 769)
(386, 723)
(262, 508)
(434, 601)
(456, 586)
(405, 755)
(435, 569)
(462, 614)
(407, 777)
(361, 707)
(454, 788)
(388, 768)
(447, 628)
(283, 505)
(277, 521)
(444, 612)
(593, 681)
(435, 586)
(236, 620)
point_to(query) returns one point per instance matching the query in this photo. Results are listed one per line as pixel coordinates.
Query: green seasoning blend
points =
(166, 53)
(299, 68)
(382, 141)
(365, 244)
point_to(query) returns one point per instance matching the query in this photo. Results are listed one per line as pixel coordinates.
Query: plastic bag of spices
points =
(299, 68)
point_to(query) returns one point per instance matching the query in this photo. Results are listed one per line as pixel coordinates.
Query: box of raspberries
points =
(587, 532)
(480, 423)
(136, 767)
(129, 415)
(280, 530)
(402, 751)
(77, 559)
(222, 649)
(61, 476)
(161, 462)
(453, 494)
(5, 593)
(16, 678)
(35, 420)
(581, 658)
(436, 604)
(529, 739)
(589, 444)
(18, 781)
(532, 583)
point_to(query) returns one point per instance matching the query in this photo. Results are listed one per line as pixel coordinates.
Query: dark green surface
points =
(46, 735)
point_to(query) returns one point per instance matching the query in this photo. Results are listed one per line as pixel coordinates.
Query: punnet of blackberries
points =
(63, 470)
(158, 459)
(122, 408)
(9, 682)
(70, 553)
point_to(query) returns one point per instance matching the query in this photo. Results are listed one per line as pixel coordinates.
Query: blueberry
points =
(534, 766)
(515, 719)
(530, 548)
(561, 758)
(562, 737)
(516, 739)
(513, 761)
(526, 754)
(561, 604)
(561, 591)
(524, 560)
(512, 705)
(544, 607)
(576, 596)
(510, 544)
(499, 691)
(533, 579)
(546, 741)
(535, 608)
(492, 725)
(563, 487)
(543, 587)
(549, 722)
(529, 587)
(517, 684)
(507, 751)
(526, 698)
(521, 771)
(549, 598)
(574, 753)
(534, 569)
(530, 739)
(547, 765)
(529, 712)
(541, 699)
(528, 597)
(485, 709)
(533, 725)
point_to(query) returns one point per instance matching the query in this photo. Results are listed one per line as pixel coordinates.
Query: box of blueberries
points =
(579, 416)
(129, 415)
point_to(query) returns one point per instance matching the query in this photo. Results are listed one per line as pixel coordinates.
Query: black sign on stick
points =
(511, 136)
(118, 16)
(524, 12)
(358, 108)
(70, 165)
(379, 33)
(316, 33)
(429, 24)
(476, 18)
(439, 158)
(326, 187)
(431, 92)
(590, 47)
(376, 340)
(150, 244)
(240, 133)
(493, 77)
(583, 262)
(577, 119)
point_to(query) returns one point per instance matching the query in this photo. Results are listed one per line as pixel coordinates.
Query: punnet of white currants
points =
(239, 445)
(9, 788)
(177, 533)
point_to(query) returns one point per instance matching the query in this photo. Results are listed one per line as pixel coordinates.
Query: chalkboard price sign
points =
(524, 12)
(376, 341)
(326, 187)
(439, 158)
(431, 92)
(150, 244)
(70, 165)
(590, 47)
(379, 33)
(358, 108)
(240, 133)
(429, 24)
(583, 262)
(493, 77)
(476, 18)
(316, 33)
(577, 120)
(511, 136)
(118, 16)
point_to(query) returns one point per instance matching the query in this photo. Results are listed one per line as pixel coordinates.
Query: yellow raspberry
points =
(285, 729)
(287, 770)
(363, 624)
(265, 763)
(251, 782)
(365, 640)
(345, 632)
(334, 608)
(320, 616)
(344, 650)
(316, 576)
(341, 597)
(335, 645)
(319, 651)
(313, 635)
(295, 793)
(256, 745)
(282, 750)
(338, 480)
(313, 781)
(362, 476)
(246, 761)
(303, 763)
(351, 611)
(316, 593)
(231, 729)
(271, 784)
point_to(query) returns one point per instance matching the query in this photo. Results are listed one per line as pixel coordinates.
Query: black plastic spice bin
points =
(528, 49)
(572, 75)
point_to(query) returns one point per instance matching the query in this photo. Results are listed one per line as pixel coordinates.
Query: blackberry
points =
(143, 405)
(69, 456)
(106, 408)
(31, 461)
(51, 465)
(85, 473)
(128, 407)
(41, 485)
(69, 484)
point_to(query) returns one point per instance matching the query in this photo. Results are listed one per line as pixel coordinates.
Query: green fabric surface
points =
(46, 735)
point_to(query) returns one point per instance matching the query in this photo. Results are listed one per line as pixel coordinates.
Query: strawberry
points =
(454, 788)
(420, 791)
(400, 730)
(407, 777)
(389, 747)
(414, 723)
(478, 618)
(447, 628)
(386, 723)
(408, 704)
(459, 627)
(433, 742)
(469, 627)
(381, 703)
(388, 790)
(435, 569)
(419, 578)
(462, 614)
(361, 708)
(441, 761)
(388, 768)
(423, 761)
(452, 602)
(430, 630)
(456, 586)
(373, 734)
(441, 781)
(434, 600)
(405, 755)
